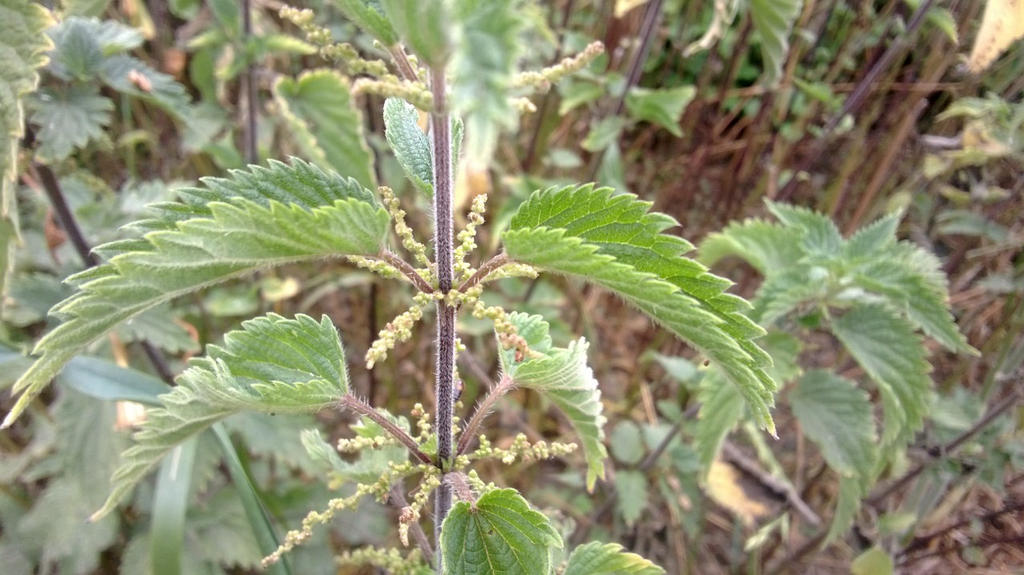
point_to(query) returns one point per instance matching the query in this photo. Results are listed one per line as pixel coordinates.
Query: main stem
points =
(440, 129)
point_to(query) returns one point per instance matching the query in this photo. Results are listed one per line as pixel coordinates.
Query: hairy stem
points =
(444, 353)
(362, 408)
(405, 69)
(398, 500)
(483, 410)
(485, 270)
(407, 270)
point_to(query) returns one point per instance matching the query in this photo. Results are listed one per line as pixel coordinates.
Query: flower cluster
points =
(402, 229)
(389, 560)
(467, 238)
(522, 449)
(339, 53)
(411, 513)
(542, 80)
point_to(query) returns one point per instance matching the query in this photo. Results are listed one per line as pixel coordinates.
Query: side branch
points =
(362, 408)
(406, 270)
(485, 270)
(482, 411)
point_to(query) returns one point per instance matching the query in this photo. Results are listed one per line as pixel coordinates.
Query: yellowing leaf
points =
(1001, 26)
(725, 489)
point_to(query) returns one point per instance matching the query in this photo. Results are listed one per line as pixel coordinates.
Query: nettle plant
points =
(873, 293)
(462, 74)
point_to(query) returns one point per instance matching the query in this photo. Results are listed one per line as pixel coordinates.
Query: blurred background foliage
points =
(706, 108)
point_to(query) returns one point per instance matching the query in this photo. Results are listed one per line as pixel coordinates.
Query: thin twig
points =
(362, 408)
(483, 409)
(485, 269)
(406, 270)
(398, 500)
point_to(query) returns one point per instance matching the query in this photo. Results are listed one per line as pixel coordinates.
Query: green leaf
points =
(423, 26)
(627, 443)
(836, 416)
(886, 346)
(253, 220)
(23, 47)
(562, 375)
(325, 123)
(170, 502)
(821, 237)
(766, 246)
(631, 488)
(847, 504)
(868, 241)
(368, 15)
(112, 37)
(662, 107)
(483, 68)
(597, 558)
(499, 534)
(134, 77)
(874, 561)
(604, 133)
(410, 144)
(69, 117)
(103, 379)
(271, 365)
(773, 20)
(258, 518)
(615, 242)
(912, 281)
(77, 52)
(721, 409)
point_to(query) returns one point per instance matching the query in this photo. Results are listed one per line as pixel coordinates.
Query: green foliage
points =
(562, 375)
(256, 219)
(661, 107)
(890, 352)
(773, 20)
(410, 143)
(597, 558)
(873, 293)
(325, 123)
(498, 534)
(837, 416)
(69, 117)
(483, 68)
(368, 15)
(615, 242)
(423, 26)
(260, 368)
(631, 487)
(22, 52)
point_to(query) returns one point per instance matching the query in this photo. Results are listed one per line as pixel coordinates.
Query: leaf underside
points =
(254, 219)
(615, 242)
